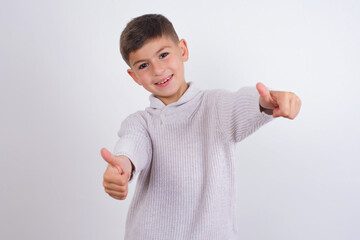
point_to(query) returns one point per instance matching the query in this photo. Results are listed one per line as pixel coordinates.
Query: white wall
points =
(64, 92)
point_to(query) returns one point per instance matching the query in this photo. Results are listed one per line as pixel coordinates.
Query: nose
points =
(158, 68)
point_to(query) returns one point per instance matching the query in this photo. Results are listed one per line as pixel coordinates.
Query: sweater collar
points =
(189, 94)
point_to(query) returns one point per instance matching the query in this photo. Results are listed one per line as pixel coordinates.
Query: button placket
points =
(162, 116)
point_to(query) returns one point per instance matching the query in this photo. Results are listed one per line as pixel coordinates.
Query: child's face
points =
(158, 66)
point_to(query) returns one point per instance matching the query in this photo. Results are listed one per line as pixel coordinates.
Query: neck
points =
(175, 97)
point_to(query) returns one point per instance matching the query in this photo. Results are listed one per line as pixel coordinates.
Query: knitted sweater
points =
(184, 155)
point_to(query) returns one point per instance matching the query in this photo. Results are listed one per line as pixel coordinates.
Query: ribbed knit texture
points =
(183, 153)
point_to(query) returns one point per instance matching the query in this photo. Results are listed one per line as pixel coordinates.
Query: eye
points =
(142, 66)
(164, 54)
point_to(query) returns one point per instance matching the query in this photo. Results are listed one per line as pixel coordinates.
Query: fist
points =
(283, 104)
(117, 174)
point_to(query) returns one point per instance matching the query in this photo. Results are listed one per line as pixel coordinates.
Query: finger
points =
(114, 187)
(299, 104)
(284, 108)
(119, 196)
(119, 179)
(276, 112)
(116, 193)
(293, 111)
(112, 173)
(296, 107)
(127, 175)
(292, 108)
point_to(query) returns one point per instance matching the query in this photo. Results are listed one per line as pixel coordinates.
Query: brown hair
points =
(143, 28)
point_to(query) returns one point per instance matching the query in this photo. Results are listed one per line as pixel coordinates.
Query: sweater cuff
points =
(130, 151)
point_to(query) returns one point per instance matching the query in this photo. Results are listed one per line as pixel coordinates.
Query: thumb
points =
(108, 157)
(128, 175)
(266, 100)
(112, 160)
(263, 90)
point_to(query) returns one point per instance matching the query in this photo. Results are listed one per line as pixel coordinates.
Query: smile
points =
(167, 79)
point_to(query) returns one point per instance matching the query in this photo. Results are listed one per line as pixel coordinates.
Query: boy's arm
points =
(134, 141)
(241, 113)
(132, 153)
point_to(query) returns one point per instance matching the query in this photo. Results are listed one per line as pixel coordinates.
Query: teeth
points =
(164, 80)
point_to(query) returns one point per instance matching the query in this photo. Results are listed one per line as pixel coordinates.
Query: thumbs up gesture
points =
(117, 174)
(282, 104)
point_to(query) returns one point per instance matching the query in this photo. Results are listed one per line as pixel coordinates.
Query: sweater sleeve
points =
(239, 113)
(134, 141)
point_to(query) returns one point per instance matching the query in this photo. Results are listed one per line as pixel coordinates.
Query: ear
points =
(133, 75)
(184, 50)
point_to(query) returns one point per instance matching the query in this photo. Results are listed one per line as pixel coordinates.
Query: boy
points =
(182, 145)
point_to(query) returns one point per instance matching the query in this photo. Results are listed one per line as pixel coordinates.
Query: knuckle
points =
(123, 195)
(286, 112)
(122, 198)
(106, 178)
(113, 196)
(292, 96)
(123, 182)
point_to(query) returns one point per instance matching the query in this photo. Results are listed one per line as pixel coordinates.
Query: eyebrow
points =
(160, 50)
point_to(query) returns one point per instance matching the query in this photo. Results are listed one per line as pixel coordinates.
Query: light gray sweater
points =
(183, 153)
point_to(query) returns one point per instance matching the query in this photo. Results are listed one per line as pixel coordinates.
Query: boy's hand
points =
(283, 104)
(117, 174)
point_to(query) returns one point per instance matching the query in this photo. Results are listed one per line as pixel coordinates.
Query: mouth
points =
(165, 81)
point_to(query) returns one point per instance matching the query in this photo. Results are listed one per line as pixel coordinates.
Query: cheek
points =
(143, 77)
(175, 64)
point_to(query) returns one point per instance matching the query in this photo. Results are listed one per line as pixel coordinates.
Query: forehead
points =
(151, 48)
